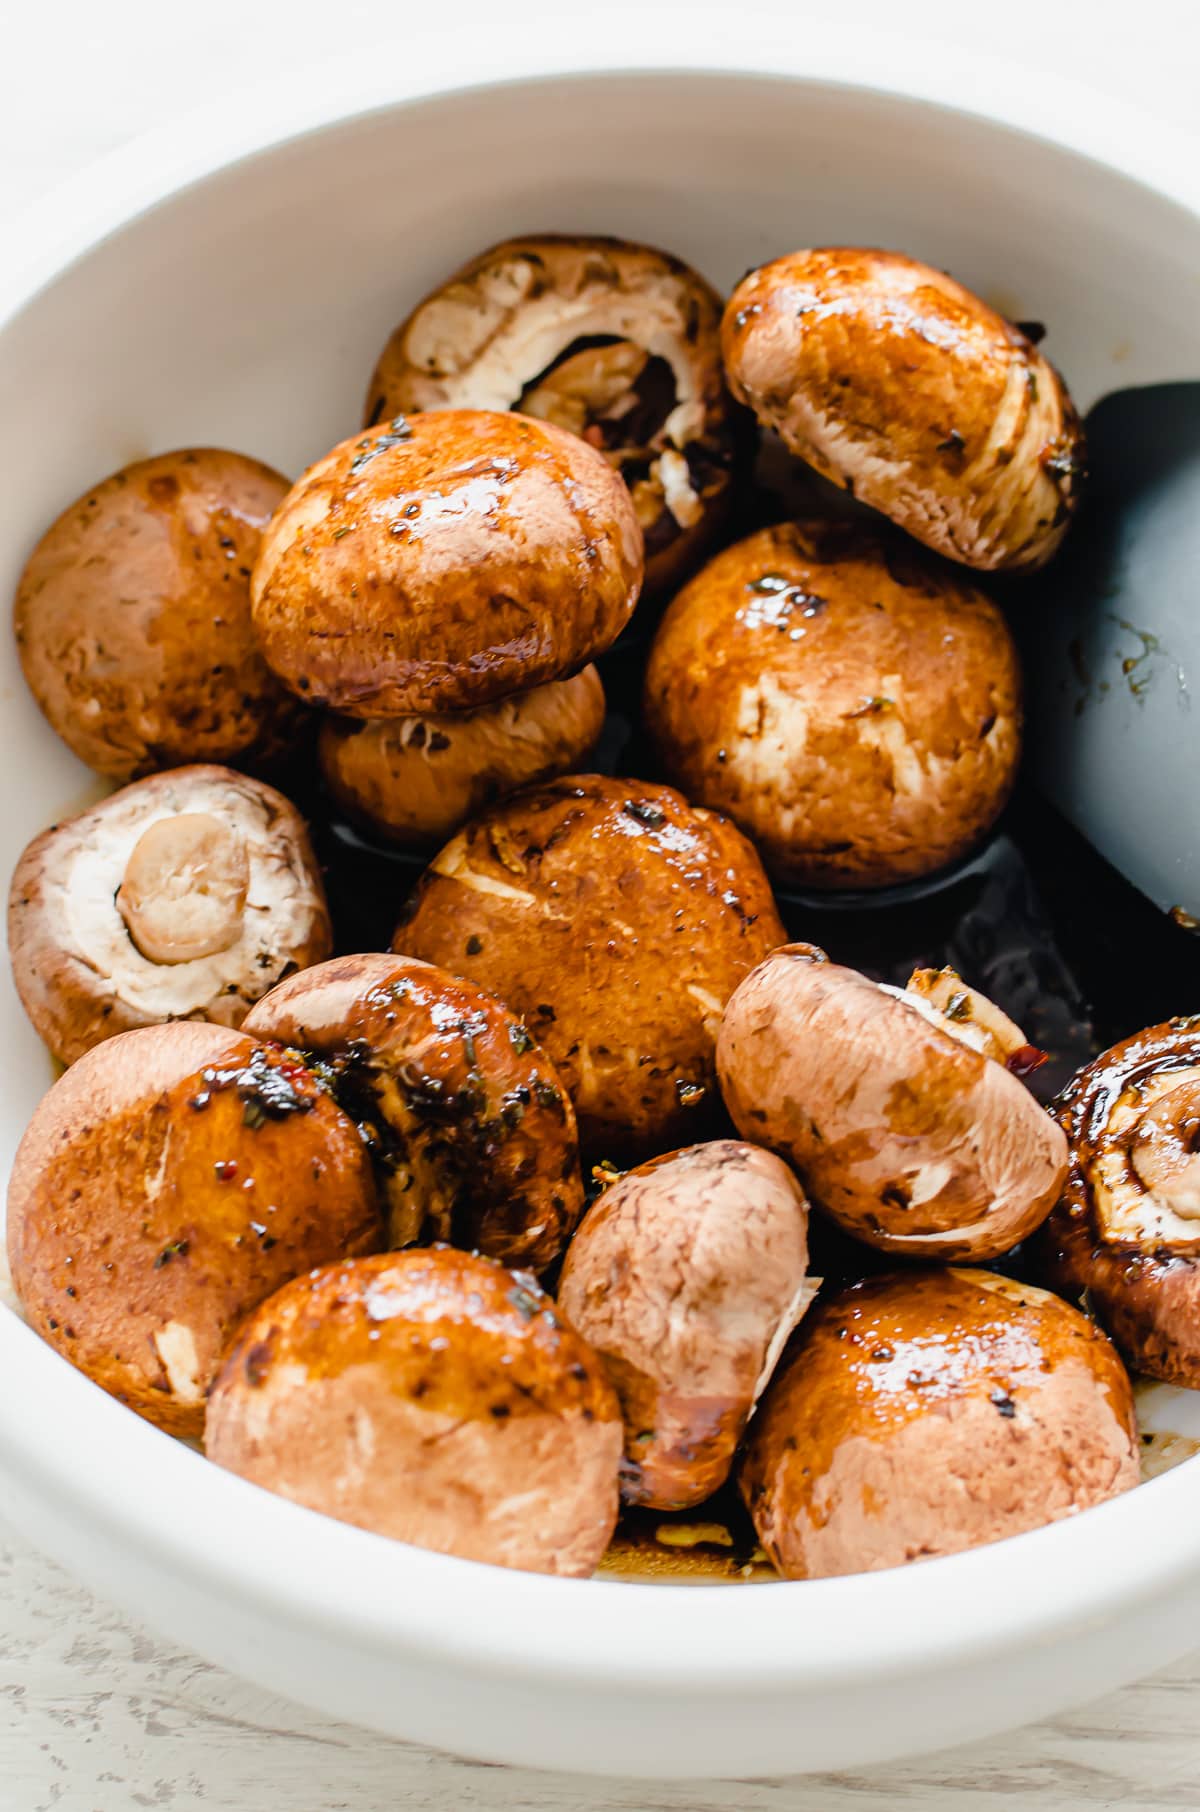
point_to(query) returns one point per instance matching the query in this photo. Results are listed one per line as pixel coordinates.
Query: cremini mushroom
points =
(133, 618)
(433, 1397)
(687, 1276)
(923, 1414)
(853, 705)
(441, 562)
(616, 920)
(416, 780)
(1125, 1237)
(168, 1182)
(894, 381)
(183, 896)
(616, 342)
(470, 1126)
(902, 1124)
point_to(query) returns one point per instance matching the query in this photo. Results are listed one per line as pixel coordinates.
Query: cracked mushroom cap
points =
(445, 561)
(814, 650)
(687, 1276)
(616, 920)
(470, 1126)
(133, 618)
(430, 1396)
(894, 381)
(615, 342)
(922, 1414)
(1125, 1237)
(168, 1182)
(415, 780)
(184, 896)
(901, 1109)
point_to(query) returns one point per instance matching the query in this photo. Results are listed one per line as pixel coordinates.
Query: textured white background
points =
(99, 1716)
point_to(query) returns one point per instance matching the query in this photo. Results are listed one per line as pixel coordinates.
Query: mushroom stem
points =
(184, 888)
(1164, 1154)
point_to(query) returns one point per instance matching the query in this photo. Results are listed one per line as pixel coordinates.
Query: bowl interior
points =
(247, 309)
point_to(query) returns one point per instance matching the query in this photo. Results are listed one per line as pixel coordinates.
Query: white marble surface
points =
(97, 1715)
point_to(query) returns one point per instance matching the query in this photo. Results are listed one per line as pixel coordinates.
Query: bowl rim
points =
(67, 1446)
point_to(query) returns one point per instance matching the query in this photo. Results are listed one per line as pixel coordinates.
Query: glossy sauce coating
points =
(415, 780)
(1131, 1118)
(132, 618)
(921, 1414)
(439, 562)
(468, 1121)
(168, 1182)
(686, 1276)
(617, 342)
(911, 1140)
(432, 1396)
(894, 381)
(855, 707)
(616, 921)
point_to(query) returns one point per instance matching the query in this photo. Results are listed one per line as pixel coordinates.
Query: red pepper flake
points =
(1025, 1060)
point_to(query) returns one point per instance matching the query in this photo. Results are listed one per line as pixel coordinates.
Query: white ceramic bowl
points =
(231, 282)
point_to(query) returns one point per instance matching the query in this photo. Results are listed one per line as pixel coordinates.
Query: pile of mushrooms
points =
(474, 1241)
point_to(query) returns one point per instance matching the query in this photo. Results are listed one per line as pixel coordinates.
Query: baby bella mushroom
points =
(183, 896)
(904, 1119)
(170, 1180)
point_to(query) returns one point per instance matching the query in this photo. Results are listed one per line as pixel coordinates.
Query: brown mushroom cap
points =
(133, 618)
(433, 1397)
(687, 1276)
(1127, 1228)
(907, 1136)
(184, 896)
(617, 921)
(923, 1414)
(616, 342)
(855, 708)
(892, 379)
(167, 1183)
(470, 1125)
(445, 561)
(415, 780)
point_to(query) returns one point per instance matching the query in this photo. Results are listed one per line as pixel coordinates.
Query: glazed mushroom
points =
(168, 1182)
(687, 1276)
(443, 562)
(133, 618)
(1125, 1237)
(416, 780)
(429, 1396)
(894, 381)
(184, 896)
(472, 1131)
(854, 707)
(920, 1415)
(902, 1116)
(616, 921)
(615, 342)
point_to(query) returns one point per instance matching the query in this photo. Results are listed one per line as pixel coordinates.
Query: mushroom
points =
(471, 1129)
(854, 707)
(616, 920)
(922, 1414)
(1125, 1237)
(133, 618)
(415, 780)
(443, 562)
(616, 342)
(895, 382)
(687, 1276)
(904, 1126)
(433, 1397)
(184, 896)
(168, 1182)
